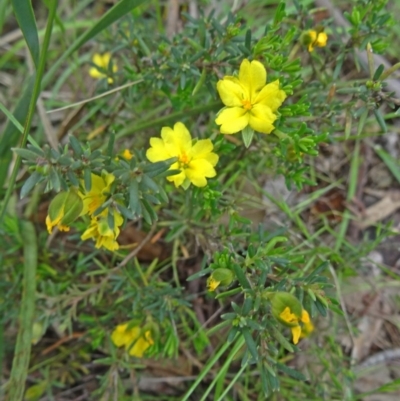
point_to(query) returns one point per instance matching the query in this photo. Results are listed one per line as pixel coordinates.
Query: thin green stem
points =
(32, 104)
(222, 372)
(206, 369)
(22, 352)
(233, 381)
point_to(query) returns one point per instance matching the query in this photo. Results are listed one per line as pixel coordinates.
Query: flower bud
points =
(218, 277)
(63, 210)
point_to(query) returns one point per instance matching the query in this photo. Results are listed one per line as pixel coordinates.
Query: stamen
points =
(247, 104)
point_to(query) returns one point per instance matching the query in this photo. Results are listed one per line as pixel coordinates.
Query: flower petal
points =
(271, 96)
(232, 119)
(305, 317)
(158, 151)
(296, 331)
(198, 170)
(177, 140)
(177, 179)
(230, 91)
(202, 149)
(120, 336)
(95, 73)
(261, 119)
(252, 75)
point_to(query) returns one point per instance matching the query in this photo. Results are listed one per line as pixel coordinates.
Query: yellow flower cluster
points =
(250, 102)
(315, 39)
(101, 62)
(134, 339)
(99, 229)
(67, 206)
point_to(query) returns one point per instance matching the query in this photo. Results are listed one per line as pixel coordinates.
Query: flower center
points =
(247, 104)
(184, 159)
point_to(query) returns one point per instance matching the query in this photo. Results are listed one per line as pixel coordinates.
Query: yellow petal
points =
(108, 179)
(261, 119)
(287, 316)
(305, 317)
(63, 227)
(90, 232)
(252, 75)
(105, 60)
(158, 152)
(198, 170)
(231, 92)
(322, 38)
(201, 149)
(97, 59)
(95, 73)
(271, 96)
(120, 335)
(212, 284)
(312, 35)
(232, 119)
(307, 329)
(139, 347)
(177, 179)
(296, 331)
(177, 140)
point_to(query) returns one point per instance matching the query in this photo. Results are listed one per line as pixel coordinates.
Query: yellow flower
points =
(101, 61)
(195, 161)
(316, 39)
(102, 233)
(290, 318)
(97, 195)
(135, 341)
(249, 100)
(126, 154)
(212, 284)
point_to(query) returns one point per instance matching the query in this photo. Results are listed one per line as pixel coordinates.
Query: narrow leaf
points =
(26, 20)
(22, 351)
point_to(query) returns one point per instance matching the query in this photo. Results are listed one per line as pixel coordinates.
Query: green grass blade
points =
(115, 13)
(390, 162)
(22, 351)
(11, 134)
(11, 117)
(26, 20)
(32, 104)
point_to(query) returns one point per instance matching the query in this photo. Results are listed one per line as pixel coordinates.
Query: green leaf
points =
(251, 345)
(241, 277)
(20, 365)
(11, 134)
(390, 162)
(380, 120)
(282, 340)
(26, 154)
(112, 15)
(133, 196)
(247, 136)
(291, 372)
(10, 116)
(26, 20)
(30, 183)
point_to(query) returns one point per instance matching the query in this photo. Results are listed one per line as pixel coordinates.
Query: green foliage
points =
(264, 276)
